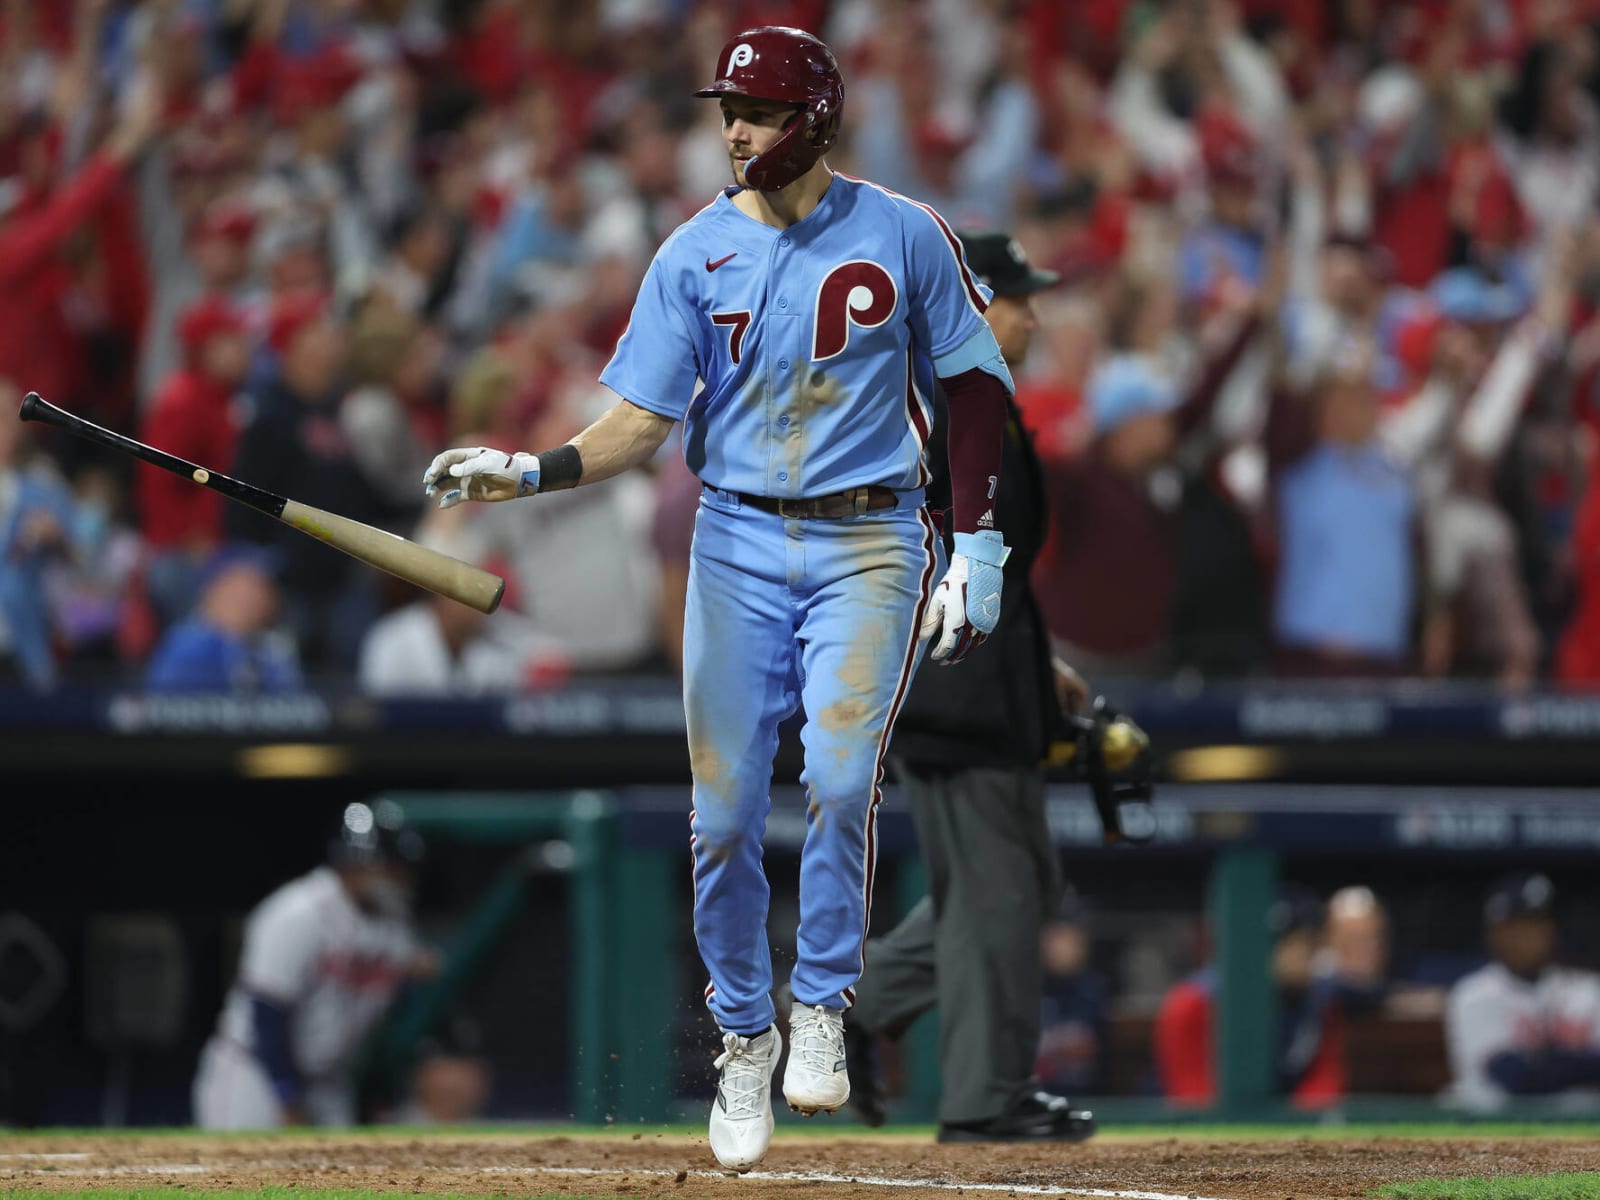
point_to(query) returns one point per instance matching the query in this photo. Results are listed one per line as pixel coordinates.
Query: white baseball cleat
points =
(815, 1079)
(741, 1116)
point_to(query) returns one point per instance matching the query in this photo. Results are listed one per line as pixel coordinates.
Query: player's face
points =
(749, 127)
(1013, 320)
(1293, 958)
(1525, 944)
(385, 890)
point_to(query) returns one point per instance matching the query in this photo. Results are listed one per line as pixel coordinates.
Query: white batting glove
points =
(965, 606)
(482, 473)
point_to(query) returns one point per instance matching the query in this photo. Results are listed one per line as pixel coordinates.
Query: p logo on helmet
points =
(775, 62)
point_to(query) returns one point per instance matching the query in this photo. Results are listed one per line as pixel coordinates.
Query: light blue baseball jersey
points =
(817, 344)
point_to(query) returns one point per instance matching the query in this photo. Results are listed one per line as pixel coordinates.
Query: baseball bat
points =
(389, 552)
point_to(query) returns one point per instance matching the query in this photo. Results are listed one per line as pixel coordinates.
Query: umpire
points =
(968, 748)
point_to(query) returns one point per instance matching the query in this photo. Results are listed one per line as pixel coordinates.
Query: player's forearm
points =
(272, 1049)
(977, 405)
(1543, 1072)
(624, 436)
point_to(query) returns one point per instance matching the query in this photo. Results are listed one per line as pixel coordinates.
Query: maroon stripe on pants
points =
(926, 590)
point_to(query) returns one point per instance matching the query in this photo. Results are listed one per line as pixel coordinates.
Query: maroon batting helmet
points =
(775, 62)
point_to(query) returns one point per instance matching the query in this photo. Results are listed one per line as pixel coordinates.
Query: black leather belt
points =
(850, 503)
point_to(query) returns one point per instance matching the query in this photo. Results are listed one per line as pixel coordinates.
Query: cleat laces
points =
(816, 1037)
(744, 1082)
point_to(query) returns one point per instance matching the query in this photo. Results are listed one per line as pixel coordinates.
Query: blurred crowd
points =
(1317, 395)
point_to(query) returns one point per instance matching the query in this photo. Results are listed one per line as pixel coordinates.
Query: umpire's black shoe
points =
(1039, 1117)
(861, 1064)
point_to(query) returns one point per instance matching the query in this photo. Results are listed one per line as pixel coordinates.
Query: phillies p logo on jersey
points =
(853, 293)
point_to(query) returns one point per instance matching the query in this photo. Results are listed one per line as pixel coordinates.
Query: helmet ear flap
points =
(801, 143)
(822, 118)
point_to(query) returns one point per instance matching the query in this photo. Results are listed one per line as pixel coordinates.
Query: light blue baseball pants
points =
(824, 614)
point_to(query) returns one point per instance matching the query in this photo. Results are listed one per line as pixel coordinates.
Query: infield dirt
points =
(657, 1165)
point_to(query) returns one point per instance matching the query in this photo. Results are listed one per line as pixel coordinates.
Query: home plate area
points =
(674, 1164)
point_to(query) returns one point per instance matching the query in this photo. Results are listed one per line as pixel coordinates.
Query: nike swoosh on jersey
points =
(712, 266)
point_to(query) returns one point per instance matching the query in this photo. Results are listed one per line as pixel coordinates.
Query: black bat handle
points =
(36, 408)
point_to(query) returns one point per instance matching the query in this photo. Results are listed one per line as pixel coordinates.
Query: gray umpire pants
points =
(971, 946)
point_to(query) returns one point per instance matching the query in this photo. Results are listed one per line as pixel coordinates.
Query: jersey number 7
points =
(740, 321)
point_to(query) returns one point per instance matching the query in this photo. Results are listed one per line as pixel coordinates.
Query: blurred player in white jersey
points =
(1522, 1025)
(323, 958)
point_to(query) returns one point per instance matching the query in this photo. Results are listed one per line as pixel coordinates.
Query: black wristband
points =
(560, 468)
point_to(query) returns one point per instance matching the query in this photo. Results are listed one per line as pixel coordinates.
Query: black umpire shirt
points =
(997, 707)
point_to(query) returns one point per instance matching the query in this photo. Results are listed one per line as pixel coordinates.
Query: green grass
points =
(1581, 1186)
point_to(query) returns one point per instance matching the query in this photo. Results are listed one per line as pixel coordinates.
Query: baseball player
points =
(1523, 1025)
(816, 311)
(969, 758)
(323, 957)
